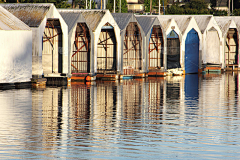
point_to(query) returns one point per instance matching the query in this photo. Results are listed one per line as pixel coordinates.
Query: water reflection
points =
(171, 117)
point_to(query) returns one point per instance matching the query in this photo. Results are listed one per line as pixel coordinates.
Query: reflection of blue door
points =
(191, 87)
(191, 52)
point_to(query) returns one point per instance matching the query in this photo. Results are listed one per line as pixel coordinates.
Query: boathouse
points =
(93, 43)
(15, 49)
(191, 47)
(105, 43)
(211, 42)
(49, 38)
(154, 45)
(80, 45)
(174, 39)
(231, 47)
(133, 57)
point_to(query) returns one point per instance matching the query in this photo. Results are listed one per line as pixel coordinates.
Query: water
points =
(161, 118)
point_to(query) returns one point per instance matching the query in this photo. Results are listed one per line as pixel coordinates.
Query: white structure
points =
(50, 37)
(155, 42)
(103, 31)
(187, 23)
(230, 35)
(174, 40)
(80, 42)
(15, 49)
(133, 56)
(212, 41)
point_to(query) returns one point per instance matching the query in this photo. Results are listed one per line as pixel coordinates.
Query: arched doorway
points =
(132, 52)
(155, 51)
(213, 47)
(52, 47)
(80, 62)
(231, 47)
(173, 50)
(192, 52)
(106, 50)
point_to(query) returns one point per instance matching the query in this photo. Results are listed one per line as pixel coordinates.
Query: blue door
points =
(192, 52)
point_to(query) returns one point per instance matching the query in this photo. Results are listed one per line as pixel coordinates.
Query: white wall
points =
(15, 56)
(212, 23)
(107, 18)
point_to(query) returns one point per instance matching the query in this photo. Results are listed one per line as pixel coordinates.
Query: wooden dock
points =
(108, 77)
(57, 79)
(232, 67)
(81, 77)
(157, 73)
(207, 68)
(39, 82)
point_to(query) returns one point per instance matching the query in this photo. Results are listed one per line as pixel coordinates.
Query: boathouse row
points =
(49, 37)
(132, 49)
(94, 46)
(154, 43)
(15, 49)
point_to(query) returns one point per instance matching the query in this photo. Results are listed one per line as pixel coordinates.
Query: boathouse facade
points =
(191, 47)
(132, 54)
(105, 44)
(212, 41)
(154, 44)
(80, 44)
(230, 34)
(15, 49)
(174, 39)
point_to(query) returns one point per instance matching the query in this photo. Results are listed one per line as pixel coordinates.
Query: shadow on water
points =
(173, 116)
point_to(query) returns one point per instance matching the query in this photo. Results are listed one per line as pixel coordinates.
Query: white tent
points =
(15, 49)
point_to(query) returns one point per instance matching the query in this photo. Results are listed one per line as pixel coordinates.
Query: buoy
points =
(88, 78)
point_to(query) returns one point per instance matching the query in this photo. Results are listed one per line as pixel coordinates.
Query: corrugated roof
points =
(223, 23)
(203, 21)
(237, 21)
(182, 21)
(10, 22)
(122, 19)
(70, 17)
(146, 23)
(165, 22)
(30, 14)
(93, 17)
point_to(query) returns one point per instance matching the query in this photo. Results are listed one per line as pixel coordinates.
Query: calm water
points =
(162, 118)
